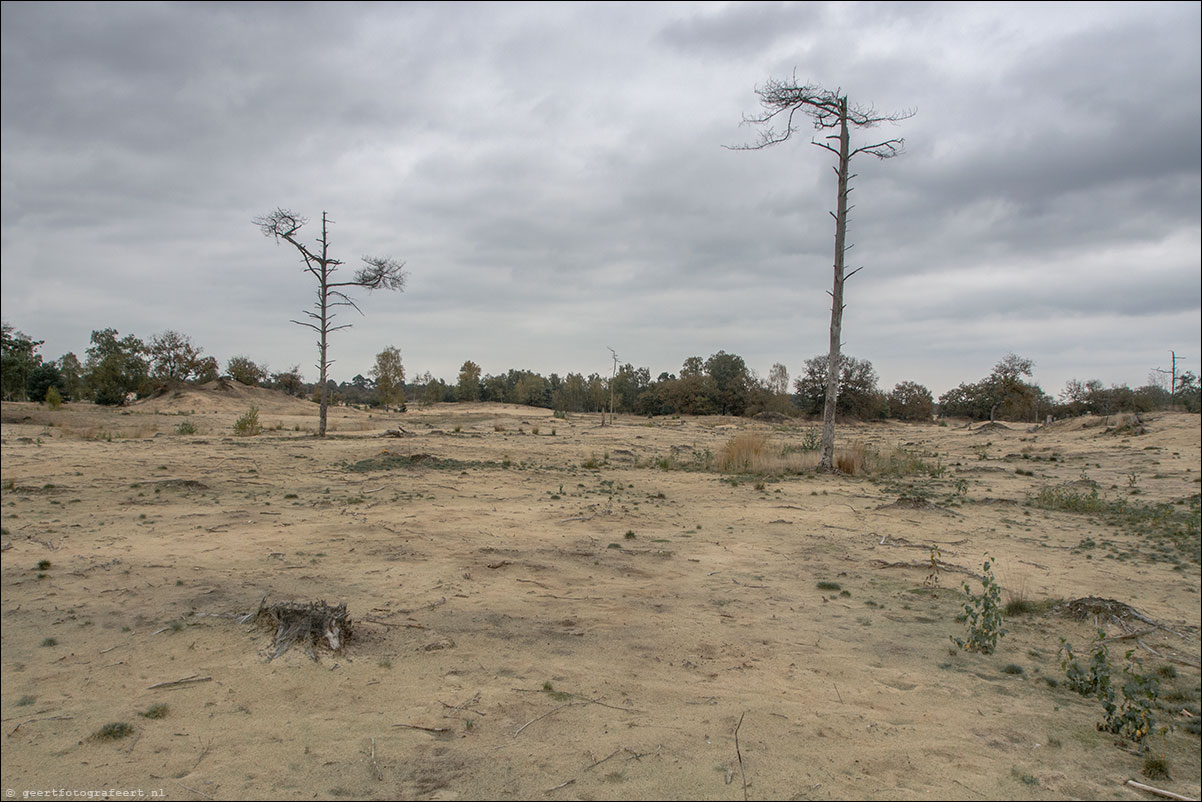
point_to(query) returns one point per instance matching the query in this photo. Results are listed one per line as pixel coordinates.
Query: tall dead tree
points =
(376, 274)
(829, 111)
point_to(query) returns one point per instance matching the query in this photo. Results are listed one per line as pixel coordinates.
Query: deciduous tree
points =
(243, 370)
(173, 357)
(18, 358)
(468, 388)
(389, 373)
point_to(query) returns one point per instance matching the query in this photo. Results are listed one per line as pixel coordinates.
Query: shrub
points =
(244, 371)
(113, 731)
(54, 399)
(187, 427)
(984, 614)
(248, 425)
(1133, 717)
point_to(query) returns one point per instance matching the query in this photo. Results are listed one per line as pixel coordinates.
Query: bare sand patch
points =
(545, 608)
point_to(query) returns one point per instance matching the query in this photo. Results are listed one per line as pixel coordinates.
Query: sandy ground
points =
(547, 609)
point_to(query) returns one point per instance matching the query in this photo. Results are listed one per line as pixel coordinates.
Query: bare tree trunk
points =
(832, 367)
(379, 273)
(325, 326)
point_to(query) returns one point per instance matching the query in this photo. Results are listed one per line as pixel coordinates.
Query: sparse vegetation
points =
(248, 425)
(983, 612)
(113, 731)
(155, 711)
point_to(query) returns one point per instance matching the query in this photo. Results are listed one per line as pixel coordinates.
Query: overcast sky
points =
(554, 176)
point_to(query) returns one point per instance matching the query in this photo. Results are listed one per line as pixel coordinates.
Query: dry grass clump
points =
(752, 452)
(854, 460)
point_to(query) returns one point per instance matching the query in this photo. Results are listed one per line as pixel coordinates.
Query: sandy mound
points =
(223, 395)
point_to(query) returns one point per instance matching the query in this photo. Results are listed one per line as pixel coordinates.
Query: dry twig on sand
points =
(175, 683)
(1159, 791)
(739, 753)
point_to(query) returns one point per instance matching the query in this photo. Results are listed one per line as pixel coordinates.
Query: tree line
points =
(117, 368)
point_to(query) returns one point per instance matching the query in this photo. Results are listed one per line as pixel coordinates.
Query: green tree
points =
(858, 396)
(732, 382)
(778, 380)
(18, 358)
(389, 373)
(71, 370)
(1004, 392)
(116, 368)
(173, 357)
(911, 401)
(290, 381)
(468, 388)
(377, 273)
(693, 366)
(531, 389)
(1188, 391)
(208, 369)
(41, 379)
(628, 384)
(571, 394)
(243, 370)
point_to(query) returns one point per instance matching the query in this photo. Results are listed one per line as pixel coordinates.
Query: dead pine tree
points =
(828, 111)
(376, 274)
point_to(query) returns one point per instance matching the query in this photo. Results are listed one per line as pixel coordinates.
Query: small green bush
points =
(187, 427)
(113, 731)
(248, 425)
(155, 711)
(54, 399)
(984, 614)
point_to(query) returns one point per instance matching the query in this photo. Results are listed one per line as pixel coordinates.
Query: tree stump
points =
(312, 623)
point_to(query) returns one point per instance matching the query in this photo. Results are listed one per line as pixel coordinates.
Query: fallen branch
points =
(389, 624)
(203, 752)
(602, 760)
(191, 790)
(544, 715)
(1129, 635)
(374, 764)
(397, 432)
(924, 565)
(177, 682)
(31, 720)
(431, 730)
(465, 706)
(1159, 791)
(739, 753)
(563, 784)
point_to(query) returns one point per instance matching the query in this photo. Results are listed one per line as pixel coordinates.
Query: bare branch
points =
(883, 150)
(343, 300)
(280, 224)
(381, 274)
(787, 97)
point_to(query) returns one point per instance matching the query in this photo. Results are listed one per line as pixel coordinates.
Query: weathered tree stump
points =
(312, 623)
